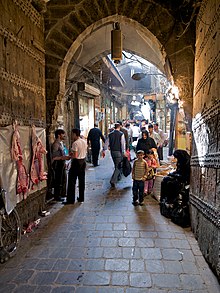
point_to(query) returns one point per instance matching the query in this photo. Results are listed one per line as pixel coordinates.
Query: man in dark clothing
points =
(117, 148)
(124, 130)
(58, 163)
(93, 138)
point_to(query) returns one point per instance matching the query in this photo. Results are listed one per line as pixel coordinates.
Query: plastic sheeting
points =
(8, 170)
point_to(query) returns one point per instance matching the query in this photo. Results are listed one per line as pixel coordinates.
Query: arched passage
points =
(67, 27)
(95, 42)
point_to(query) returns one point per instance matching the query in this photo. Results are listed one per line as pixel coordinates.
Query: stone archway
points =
(68, 25)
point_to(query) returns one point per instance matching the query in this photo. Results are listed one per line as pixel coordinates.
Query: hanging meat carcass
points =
(37, 166)
(16, 154)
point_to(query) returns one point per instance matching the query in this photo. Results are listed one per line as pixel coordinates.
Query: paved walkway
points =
(107, 245)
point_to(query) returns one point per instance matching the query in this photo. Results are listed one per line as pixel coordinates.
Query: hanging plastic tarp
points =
(8, 168)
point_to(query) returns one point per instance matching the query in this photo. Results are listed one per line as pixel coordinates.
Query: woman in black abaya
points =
(145, 143)
(172, 184)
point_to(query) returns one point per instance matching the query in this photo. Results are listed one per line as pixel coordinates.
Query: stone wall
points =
(22, 64)
(205, 171)
(29, 210)
(22, 77)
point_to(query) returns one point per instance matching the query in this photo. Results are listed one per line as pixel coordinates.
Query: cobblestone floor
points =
(107, 245)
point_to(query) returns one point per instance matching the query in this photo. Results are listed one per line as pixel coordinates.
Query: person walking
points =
(58, 164)
(124, 130)
(145, 143)
(135, 132)
(139, 175)
(144, 124)
(93, 139)
(161, 142)
(154, 134)
(130, 134)
(117, 149)
(77, 169)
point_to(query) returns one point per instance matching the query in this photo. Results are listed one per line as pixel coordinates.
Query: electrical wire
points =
(96, 80)
(190, 21)
(134, 58)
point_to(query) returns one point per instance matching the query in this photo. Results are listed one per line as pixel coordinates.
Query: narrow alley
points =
(107, 245)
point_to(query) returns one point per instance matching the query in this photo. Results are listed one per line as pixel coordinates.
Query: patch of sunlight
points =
(201, 136)
(145, 109)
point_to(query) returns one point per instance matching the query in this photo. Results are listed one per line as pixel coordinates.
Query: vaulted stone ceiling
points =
(90, 54)
(78, 34)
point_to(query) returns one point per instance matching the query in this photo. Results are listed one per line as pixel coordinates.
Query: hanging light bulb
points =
(116, 43)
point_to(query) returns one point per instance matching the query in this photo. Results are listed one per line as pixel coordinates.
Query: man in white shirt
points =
(162, 139)
(135, 132)
(77, 169)
(144, 124)
(154, 134)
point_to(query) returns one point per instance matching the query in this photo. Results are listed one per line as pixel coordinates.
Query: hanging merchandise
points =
(37, 165)
(16, 154)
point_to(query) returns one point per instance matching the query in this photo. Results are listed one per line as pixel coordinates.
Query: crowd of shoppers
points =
(148, 137)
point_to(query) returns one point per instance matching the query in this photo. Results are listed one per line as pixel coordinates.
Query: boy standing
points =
(139, 175)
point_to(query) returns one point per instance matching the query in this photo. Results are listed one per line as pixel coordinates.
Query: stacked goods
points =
(163, 170)
(157, 186)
